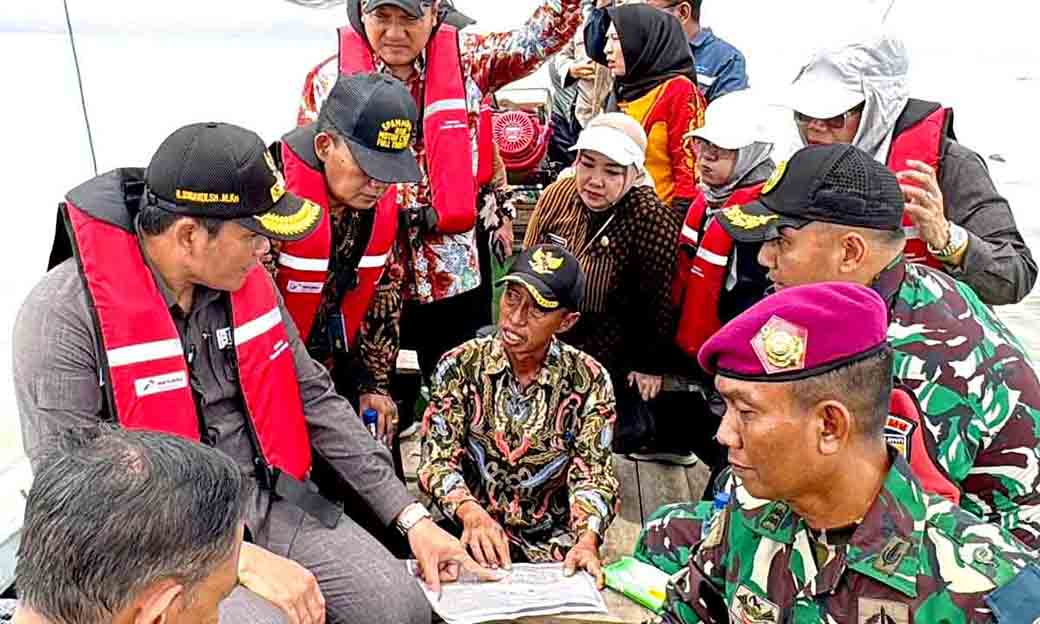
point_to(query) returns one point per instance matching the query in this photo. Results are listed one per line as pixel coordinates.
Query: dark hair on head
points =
(112, 511)
(154, 221)
(695, 7)
(864, 387)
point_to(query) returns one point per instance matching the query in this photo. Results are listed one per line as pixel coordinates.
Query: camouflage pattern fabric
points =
(915, 557)
(977, 390)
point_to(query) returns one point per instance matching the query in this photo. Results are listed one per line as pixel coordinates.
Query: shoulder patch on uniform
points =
(897, 433)
(747, 607)
(873, 611)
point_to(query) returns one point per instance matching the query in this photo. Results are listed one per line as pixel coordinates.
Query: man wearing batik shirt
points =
(516, 439)
(833, 213)
(438, 247)
(825, 522)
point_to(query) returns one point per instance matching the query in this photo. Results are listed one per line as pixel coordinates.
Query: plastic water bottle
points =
(720, 502)
(371, 418)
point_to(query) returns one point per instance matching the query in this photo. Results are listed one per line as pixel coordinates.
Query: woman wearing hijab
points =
(719, 279)
(625, 239)
(655, 83)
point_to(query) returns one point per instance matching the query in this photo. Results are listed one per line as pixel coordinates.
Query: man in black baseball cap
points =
(223, 172)
(346, 161)
(551, 275)
(830, 213)
(166, 321)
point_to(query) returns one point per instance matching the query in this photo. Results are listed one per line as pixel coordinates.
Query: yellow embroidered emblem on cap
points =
(206, 198)
(736, 216)
(278, 188)
(291, 225)
(780, 346)
(775, 177)
(395, 134)
(544, 262)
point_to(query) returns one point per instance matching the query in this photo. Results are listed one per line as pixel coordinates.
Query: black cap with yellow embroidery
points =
(838, 184)
(376, 115)
(551, 274)
(222, 171)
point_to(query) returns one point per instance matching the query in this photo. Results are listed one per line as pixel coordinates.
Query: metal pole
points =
(79, 79)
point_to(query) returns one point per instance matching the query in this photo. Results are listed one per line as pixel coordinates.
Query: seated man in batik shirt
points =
(516, 438)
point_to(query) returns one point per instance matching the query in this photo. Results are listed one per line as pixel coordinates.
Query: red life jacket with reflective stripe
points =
(700, 279)
(304, 265)
(921, 141)
(445, 124)
(145, 368)
(903, 430)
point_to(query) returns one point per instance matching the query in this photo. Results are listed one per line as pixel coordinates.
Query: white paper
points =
(528, 589)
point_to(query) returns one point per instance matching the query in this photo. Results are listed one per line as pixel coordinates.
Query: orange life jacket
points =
(143, 362)
(701, 276)
(304, 264)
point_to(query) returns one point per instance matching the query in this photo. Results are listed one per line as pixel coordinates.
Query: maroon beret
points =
(799, 332)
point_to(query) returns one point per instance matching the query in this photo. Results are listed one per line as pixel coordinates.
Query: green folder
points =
(638, 581)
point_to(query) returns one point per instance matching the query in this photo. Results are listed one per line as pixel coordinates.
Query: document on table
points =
(528, 589)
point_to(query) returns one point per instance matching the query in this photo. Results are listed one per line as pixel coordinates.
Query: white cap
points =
(840, 78)
(734, 120)
(612, 143)
(821, 92)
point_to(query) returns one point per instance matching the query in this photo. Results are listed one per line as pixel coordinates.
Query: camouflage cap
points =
(799, 332)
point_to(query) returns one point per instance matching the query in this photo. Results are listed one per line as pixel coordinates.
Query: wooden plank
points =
(661, 484)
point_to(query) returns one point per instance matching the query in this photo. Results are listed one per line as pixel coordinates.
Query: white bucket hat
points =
(734, 120)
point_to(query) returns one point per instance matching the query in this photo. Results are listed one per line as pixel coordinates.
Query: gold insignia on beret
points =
(736, 216)
(544, 262)
(780, 346)
(291, 225)
(775, 177)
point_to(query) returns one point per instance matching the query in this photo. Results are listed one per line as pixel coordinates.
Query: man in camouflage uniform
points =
(825, 522)
(834, 214)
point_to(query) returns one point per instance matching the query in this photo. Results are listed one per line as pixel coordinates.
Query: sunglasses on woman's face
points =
(834, 123)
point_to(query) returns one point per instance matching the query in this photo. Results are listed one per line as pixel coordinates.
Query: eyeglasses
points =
(834, 123)
(707, 149)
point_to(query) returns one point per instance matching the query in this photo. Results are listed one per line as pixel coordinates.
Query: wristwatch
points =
(411, 516)
(958, 239)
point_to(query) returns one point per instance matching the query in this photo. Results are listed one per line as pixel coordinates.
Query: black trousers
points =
(672, 422)
(432, 329)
